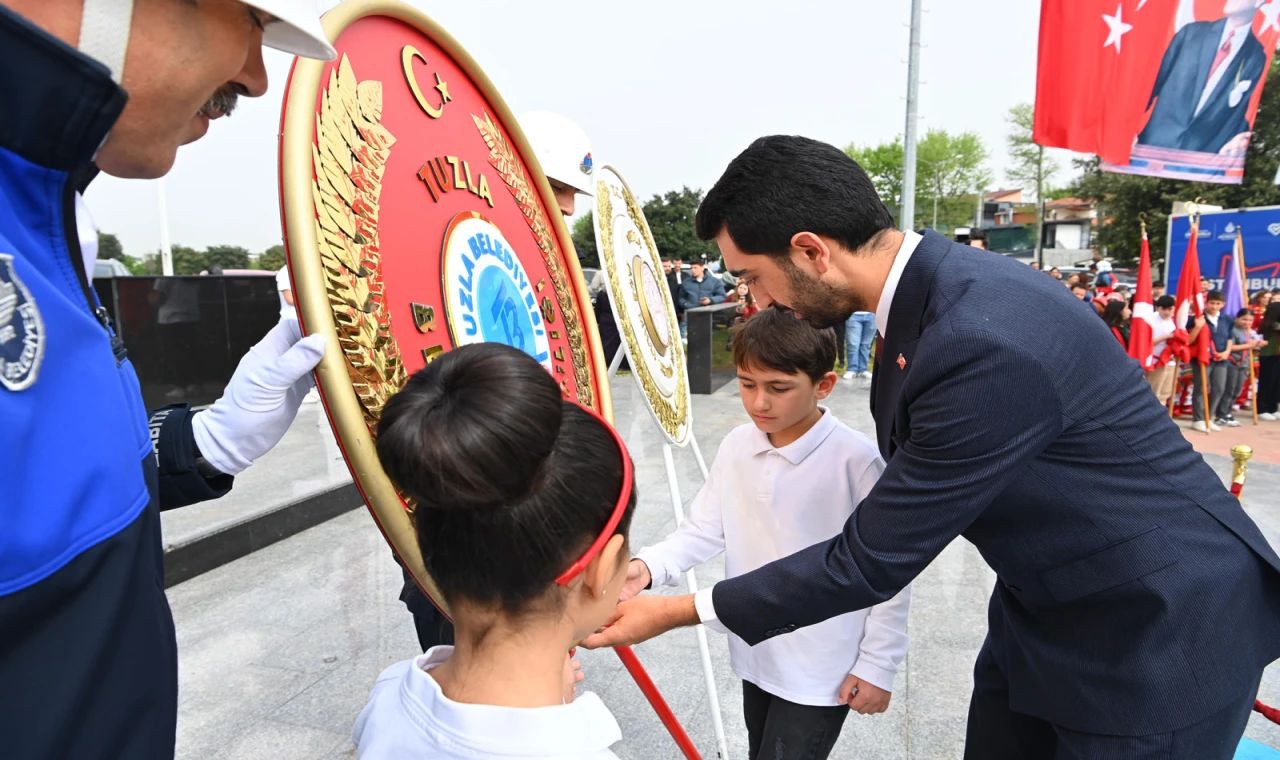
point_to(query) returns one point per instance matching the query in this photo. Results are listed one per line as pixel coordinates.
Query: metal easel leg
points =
(713, 696)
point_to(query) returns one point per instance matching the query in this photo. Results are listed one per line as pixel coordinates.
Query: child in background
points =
(1163, 376)
(788, 480)
(746, 303)
(1239, 358)
(1219, 329)
(512, 483)
(1269, 363)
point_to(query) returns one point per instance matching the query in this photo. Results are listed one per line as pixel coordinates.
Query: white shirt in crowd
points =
(287, 310)
(1161, 329)
(703, 601)
(409, 716)
(762, 503)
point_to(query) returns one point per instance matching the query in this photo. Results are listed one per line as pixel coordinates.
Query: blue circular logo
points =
(503, 319)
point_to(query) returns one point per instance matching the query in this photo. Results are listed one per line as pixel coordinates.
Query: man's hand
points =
(862, 697)
(705, 301)
(642, 618)
(572, 677)
(260, 402)
(638, 579)
(1236, 146)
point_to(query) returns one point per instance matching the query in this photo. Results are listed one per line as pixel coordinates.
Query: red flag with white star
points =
(1106, 65)
(1140, 333)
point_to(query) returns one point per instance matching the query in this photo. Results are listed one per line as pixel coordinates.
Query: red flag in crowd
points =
(1140, 336)
(1104, 64)
(1188, 299)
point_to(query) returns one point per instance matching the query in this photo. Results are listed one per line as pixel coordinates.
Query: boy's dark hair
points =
(1079, 285)
(778, 341)
(511, 482)
(1166, 302)
(1243, 312)
(781, 185)
(1214, 295)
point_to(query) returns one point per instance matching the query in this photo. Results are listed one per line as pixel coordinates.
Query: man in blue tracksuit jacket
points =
(88, 661)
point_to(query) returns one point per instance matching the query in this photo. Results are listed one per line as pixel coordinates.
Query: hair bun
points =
(472, 430)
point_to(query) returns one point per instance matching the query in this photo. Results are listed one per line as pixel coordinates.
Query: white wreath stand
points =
(677, 506)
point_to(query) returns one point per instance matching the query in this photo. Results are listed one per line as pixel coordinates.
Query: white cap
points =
(297, 29)
(562, 148)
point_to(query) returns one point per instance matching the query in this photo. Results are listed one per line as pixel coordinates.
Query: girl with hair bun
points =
(523, 501)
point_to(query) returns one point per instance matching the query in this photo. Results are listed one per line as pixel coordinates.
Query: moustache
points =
(223, 103)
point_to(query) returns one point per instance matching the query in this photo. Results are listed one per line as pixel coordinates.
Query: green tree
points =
(883, 164)
(1122, 197)
(1029, 165)
(950, 169)
(671, 218)
(226, 257)
(187, 260)
(109, 247)
(272, 259)
(584, 241)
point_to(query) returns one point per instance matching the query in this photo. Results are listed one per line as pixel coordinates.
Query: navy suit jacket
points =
(1184, 72)
(1134, 596)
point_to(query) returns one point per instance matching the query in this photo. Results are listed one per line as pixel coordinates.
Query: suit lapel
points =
(1208, 50)
(898, 346)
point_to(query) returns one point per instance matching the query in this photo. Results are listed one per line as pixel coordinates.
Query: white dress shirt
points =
(287, 310)
(408, 716)
(762, 503)
(910, 240)
(1241, 33)
(1161, 329)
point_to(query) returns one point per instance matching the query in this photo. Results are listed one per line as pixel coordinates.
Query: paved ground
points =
(278, 650)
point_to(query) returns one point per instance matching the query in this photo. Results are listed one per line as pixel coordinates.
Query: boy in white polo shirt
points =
(781, 484)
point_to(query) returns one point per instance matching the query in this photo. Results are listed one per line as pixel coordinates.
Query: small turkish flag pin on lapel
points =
(902, 363)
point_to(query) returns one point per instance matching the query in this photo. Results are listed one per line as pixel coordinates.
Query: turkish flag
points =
(1188, 300)
(1140, 335)
(1098, 64)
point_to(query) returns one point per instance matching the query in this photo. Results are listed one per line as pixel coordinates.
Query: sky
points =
(669, 92)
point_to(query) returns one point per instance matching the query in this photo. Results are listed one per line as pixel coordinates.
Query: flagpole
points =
(1244, 288)
(1204, 375)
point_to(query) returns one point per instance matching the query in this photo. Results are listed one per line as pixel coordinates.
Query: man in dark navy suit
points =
(1206, 80)
(1136, 604)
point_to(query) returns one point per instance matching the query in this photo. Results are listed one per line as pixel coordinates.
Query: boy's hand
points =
(572, 677)
(638, 579)
(862, 697)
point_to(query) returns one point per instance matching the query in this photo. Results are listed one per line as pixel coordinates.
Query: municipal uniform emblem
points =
(586, 164)
(21, 330)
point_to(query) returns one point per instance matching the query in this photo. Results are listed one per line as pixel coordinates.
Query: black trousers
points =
(782, 730)
(1268, 384)
(995, 731)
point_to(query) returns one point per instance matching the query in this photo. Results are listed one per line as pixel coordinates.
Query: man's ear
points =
(812, 249)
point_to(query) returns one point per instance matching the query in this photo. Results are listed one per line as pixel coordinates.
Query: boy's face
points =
(1245, 322)
(1213, 307)
(1166, 312)
(776, 400)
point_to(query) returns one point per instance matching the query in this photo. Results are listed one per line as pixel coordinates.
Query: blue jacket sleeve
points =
(173, 444)
(948, 468)
(721, 293)
(688, 298)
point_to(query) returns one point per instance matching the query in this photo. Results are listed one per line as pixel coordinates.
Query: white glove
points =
(260, 402)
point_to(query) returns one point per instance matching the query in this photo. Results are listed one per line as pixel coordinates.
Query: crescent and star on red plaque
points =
(416, 221)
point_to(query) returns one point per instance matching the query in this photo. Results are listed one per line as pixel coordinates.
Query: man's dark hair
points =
(777, 340)
(1214, 295)
(782, 185)
(1080, 285)
(1166, 302)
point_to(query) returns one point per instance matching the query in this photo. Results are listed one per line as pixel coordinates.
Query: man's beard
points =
(821, 304)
